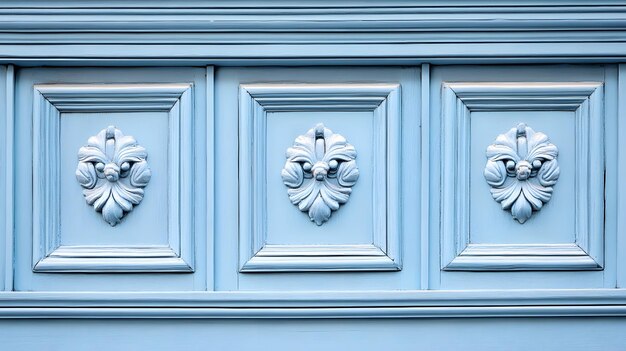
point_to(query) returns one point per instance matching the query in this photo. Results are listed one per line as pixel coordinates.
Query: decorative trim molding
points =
(521, 169)
(50, 102)
(256, 100)
(7, 190)
(113, 170)
(313, 32)
(276, 304)
(459, 101)
(311, 22)
(167, 312)
(320, 172)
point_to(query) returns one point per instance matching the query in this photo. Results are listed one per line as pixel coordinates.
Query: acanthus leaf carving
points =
(113, 170)
(521, 169)
(320, 172)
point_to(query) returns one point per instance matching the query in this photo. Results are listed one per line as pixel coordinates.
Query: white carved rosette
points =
(320, 172)
(113, 171)
(521, 169)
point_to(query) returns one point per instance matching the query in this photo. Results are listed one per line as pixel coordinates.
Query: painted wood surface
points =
(222, 252)
(538, 333)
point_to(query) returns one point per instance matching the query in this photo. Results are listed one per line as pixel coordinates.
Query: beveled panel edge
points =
(459, 99)
(307, 258)
(384, 100)
(174, 98)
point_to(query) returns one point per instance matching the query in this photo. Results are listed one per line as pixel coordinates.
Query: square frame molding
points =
(459, 100)
(256, 100)
(50, 101)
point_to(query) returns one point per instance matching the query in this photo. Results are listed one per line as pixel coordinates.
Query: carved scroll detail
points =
(113, 171)
(521, 169)
(320, 172)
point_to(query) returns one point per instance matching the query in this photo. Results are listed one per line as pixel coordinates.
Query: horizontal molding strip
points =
(324, 5)
(409, 304)
(306, 54)
(312, 313)
(286, 17)
(311, 22)
(310, 32)
(305, 299)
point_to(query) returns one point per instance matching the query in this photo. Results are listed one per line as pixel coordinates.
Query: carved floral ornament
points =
(521, 169)
(113, 171)
(320, 172)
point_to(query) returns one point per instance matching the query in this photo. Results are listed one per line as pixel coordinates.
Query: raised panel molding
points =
(50, 101)
(459, 101)
(256, 100)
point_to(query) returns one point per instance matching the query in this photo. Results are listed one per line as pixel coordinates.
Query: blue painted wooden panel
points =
(64, 234)
(476, 235)
(266, 216)
(478, 334)
(420, 256)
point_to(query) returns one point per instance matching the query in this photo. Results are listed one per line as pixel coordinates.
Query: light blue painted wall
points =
(416, 302)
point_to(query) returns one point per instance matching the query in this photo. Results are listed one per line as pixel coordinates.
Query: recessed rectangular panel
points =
(523, 171)
(114, 173)
(489, 224)
(147, 224)
(522, 176)
(356, 245)
(320, 174)
(111, 179)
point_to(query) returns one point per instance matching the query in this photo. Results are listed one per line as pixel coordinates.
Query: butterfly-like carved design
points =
(320, 172)
(521, 169)
(112, 169)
